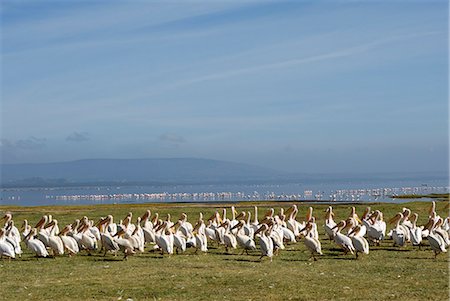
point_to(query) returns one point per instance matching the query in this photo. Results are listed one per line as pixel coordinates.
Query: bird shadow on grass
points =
(109, 259)
(33, 258)
(338, 257)
(243, 259)
(395, 249)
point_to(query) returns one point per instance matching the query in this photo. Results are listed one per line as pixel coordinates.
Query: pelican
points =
(164, 238)
(376, 227)
(342, 240)
(12, 232)
(265, 242)
(70, 244)
(41, 231)
(291, 223)
(87, 239)
(179, 239)
(247, 227)
(55, 243)
(35, 245)
(200, 237)
(312, 243)
(229, 240)
(436, 241)
(415, 232)
(12, 236)
(108, 242)
(359, 242)
(124, 244)
(330, 223)
(6, 249)
(243, 240)
(255, 223)
(399, 232)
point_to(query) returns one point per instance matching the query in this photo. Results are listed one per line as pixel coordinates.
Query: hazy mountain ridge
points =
(174, 170)
(110, 172)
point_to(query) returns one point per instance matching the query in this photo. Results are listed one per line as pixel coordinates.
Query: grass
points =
(386, 273)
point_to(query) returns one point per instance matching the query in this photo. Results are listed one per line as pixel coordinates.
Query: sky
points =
(298, 86)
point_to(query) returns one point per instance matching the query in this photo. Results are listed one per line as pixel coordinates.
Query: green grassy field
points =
(388, 272)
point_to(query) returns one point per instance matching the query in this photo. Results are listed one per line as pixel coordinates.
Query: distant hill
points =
(148, 171)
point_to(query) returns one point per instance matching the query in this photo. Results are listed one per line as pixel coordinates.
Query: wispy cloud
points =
(31, 143)
(78, 137)
(171, 138)
(342, 53)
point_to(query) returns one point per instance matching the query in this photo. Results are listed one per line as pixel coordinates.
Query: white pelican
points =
(376, 227)
(6, 249)
(330, 223)
(436, 241)
(87, 239)
(124, 244)
(108, 242)
(145, 220)
(200, 236)
(229, 240)
(12, 236)
(342, 240)
(210, 231)
(255, 223)
(265, 242)
(54, 242)
(70, 244)
(243, 240)
(312, 243)
(291, 223)
(247, 227)
(35, 245)
(185, 227)
(399, 232)
(12, 232)
(179, 239)
(415, 232)
(359, 242)
(41, 231)
(441, 232)
(164, 238)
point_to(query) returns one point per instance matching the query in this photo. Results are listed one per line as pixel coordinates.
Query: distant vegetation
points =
(440, 196)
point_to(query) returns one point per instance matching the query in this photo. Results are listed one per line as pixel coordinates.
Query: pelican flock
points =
(266, 236)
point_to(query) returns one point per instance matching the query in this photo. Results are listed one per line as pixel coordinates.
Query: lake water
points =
(333, 191)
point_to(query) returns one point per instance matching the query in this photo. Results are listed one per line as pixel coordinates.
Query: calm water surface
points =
(335, 191)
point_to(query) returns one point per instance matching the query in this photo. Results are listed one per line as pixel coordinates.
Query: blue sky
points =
(303, 86)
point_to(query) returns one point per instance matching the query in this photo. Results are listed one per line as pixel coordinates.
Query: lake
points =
(317, 190)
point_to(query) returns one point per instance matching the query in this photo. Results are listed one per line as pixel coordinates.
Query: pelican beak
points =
(394, 219)
(49, 225)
